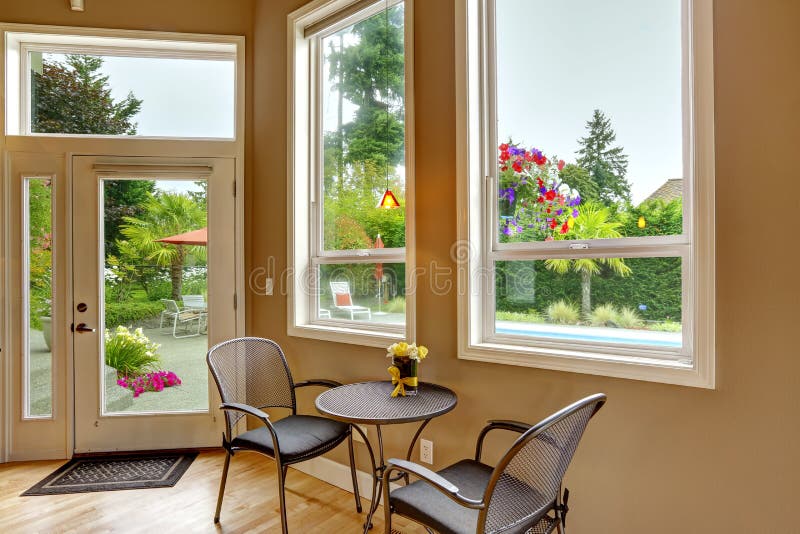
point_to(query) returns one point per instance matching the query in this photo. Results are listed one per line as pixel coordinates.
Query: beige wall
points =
(657, 458)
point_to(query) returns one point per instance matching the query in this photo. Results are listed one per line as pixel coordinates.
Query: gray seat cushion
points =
(299, 436)
(422, 502)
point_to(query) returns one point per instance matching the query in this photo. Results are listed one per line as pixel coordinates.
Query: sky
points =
(181, 97)
(558, 60)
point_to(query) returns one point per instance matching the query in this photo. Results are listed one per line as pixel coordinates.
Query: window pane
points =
(612, 300)
(367, 292)
(120, 95)
(590, 119)
(39, 357)
(155, 295)
(363, 132)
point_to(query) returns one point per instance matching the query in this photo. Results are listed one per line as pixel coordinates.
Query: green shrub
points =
(629, 318)
(604, 315)
(396, 305)
(666, 326)
(122, 313)
(130, 353)
(531, 316)
(563, 312)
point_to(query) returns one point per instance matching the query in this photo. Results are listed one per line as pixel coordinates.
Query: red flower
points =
(540, 200)
(550, 195)
(564, 228)
(553, 224)
(560, 164)
(539, 159)
(517, 167)
(539, 182)
(504, 147)
(548, 210)
(504, 168)
(504, 156)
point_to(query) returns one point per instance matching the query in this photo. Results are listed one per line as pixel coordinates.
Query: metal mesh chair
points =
(521, 494)
(252, 374)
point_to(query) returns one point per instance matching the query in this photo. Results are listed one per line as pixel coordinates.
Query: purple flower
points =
(575, 213)
(560, 211)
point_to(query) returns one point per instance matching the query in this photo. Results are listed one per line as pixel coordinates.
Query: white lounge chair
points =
(194, 302)
(181, 316)
(342, 300)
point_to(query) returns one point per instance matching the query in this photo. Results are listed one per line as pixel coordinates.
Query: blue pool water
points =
(588, 337)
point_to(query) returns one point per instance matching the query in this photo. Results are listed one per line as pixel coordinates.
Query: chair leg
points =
(222, 486)
(353, 471)
(387, 510)
(282, 495)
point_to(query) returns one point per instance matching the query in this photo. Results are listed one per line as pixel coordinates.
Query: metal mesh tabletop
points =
(372, 403)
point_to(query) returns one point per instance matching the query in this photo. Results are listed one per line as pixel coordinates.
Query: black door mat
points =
(111, 473)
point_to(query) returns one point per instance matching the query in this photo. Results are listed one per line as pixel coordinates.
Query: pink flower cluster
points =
(155, 381)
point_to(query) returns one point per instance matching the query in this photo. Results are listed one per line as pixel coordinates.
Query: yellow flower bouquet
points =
(405, 361)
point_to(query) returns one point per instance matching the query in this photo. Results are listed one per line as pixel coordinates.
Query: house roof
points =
(669, 190)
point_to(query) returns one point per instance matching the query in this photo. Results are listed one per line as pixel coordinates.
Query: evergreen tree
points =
(72, 97)
(606, 164)
(367, 71)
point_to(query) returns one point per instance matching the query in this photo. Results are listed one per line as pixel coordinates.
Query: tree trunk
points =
(176, 274)
(586, 293)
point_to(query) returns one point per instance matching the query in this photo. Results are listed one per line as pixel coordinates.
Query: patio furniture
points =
(194, 302)
(343, 300)
(181, 316)
(518, 495)
(252, 374)
(371, 403)
(324, 313)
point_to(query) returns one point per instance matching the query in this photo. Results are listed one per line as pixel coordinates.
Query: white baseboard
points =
(338, 475)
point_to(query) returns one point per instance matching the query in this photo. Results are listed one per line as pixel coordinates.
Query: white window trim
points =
(691, 369)
(119, 43)
(303, 253)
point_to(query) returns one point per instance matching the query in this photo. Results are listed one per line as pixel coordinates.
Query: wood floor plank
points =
(251, 503)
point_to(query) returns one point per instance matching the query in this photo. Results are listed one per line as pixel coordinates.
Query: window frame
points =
(693, 365)
(19, 45)
(306, 252)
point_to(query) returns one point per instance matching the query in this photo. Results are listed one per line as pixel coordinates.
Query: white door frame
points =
(65, 147)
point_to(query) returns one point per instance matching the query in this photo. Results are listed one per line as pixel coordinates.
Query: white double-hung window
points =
(586, 183)
(349, 178)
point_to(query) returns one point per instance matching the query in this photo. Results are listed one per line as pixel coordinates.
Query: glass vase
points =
(408, 368)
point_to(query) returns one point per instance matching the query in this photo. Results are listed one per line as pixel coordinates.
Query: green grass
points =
(531, 316)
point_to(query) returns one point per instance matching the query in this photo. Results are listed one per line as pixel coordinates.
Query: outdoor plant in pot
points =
(135, 359)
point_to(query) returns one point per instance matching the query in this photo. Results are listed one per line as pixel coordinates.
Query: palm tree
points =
(165, 214)
(594, 223)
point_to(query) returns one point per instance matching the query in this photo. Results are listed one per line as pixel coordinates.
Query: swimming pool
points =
(633, 337)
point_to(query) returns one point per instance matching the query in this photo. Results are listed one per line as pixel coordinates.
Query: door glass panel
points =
(39, 253)
(155, 282)
(125, 95)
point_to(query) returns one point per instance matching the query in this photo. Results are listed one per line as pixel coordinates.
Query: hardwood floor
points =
(250, 505)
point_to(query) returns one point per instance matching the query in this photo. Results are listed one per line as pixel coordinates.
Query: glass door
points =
(154, 286)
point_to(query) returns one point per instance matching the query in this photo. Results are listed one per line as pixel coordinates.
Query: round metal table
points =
(371, 403)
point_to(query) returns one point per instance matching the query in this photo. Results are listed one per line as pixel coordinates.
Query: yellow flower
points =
(422, 350)
(400, 349)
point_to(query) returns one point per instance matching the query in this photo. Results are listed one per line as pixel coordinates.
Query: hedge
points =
(129, 313)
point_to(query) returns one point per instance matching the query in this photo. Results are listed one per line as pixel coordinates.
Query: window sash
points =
(476, 239)
(319, 256)
(490, 140)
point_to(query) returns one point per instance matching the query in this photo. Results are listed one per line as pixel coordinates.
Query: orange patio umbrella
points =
(197, 238)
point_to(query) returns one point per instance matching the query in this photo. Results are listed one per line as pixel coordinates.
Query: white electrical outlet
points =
(426, 451)
(357, 436)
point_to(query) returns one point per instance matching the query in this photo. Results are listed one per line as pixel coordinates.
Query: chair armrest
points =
(317, 382)
(246, 408)
(499, 424)
(434, 479)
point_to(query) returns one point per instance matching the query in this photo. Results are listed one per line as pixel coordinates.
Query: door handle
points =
(82, 328)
